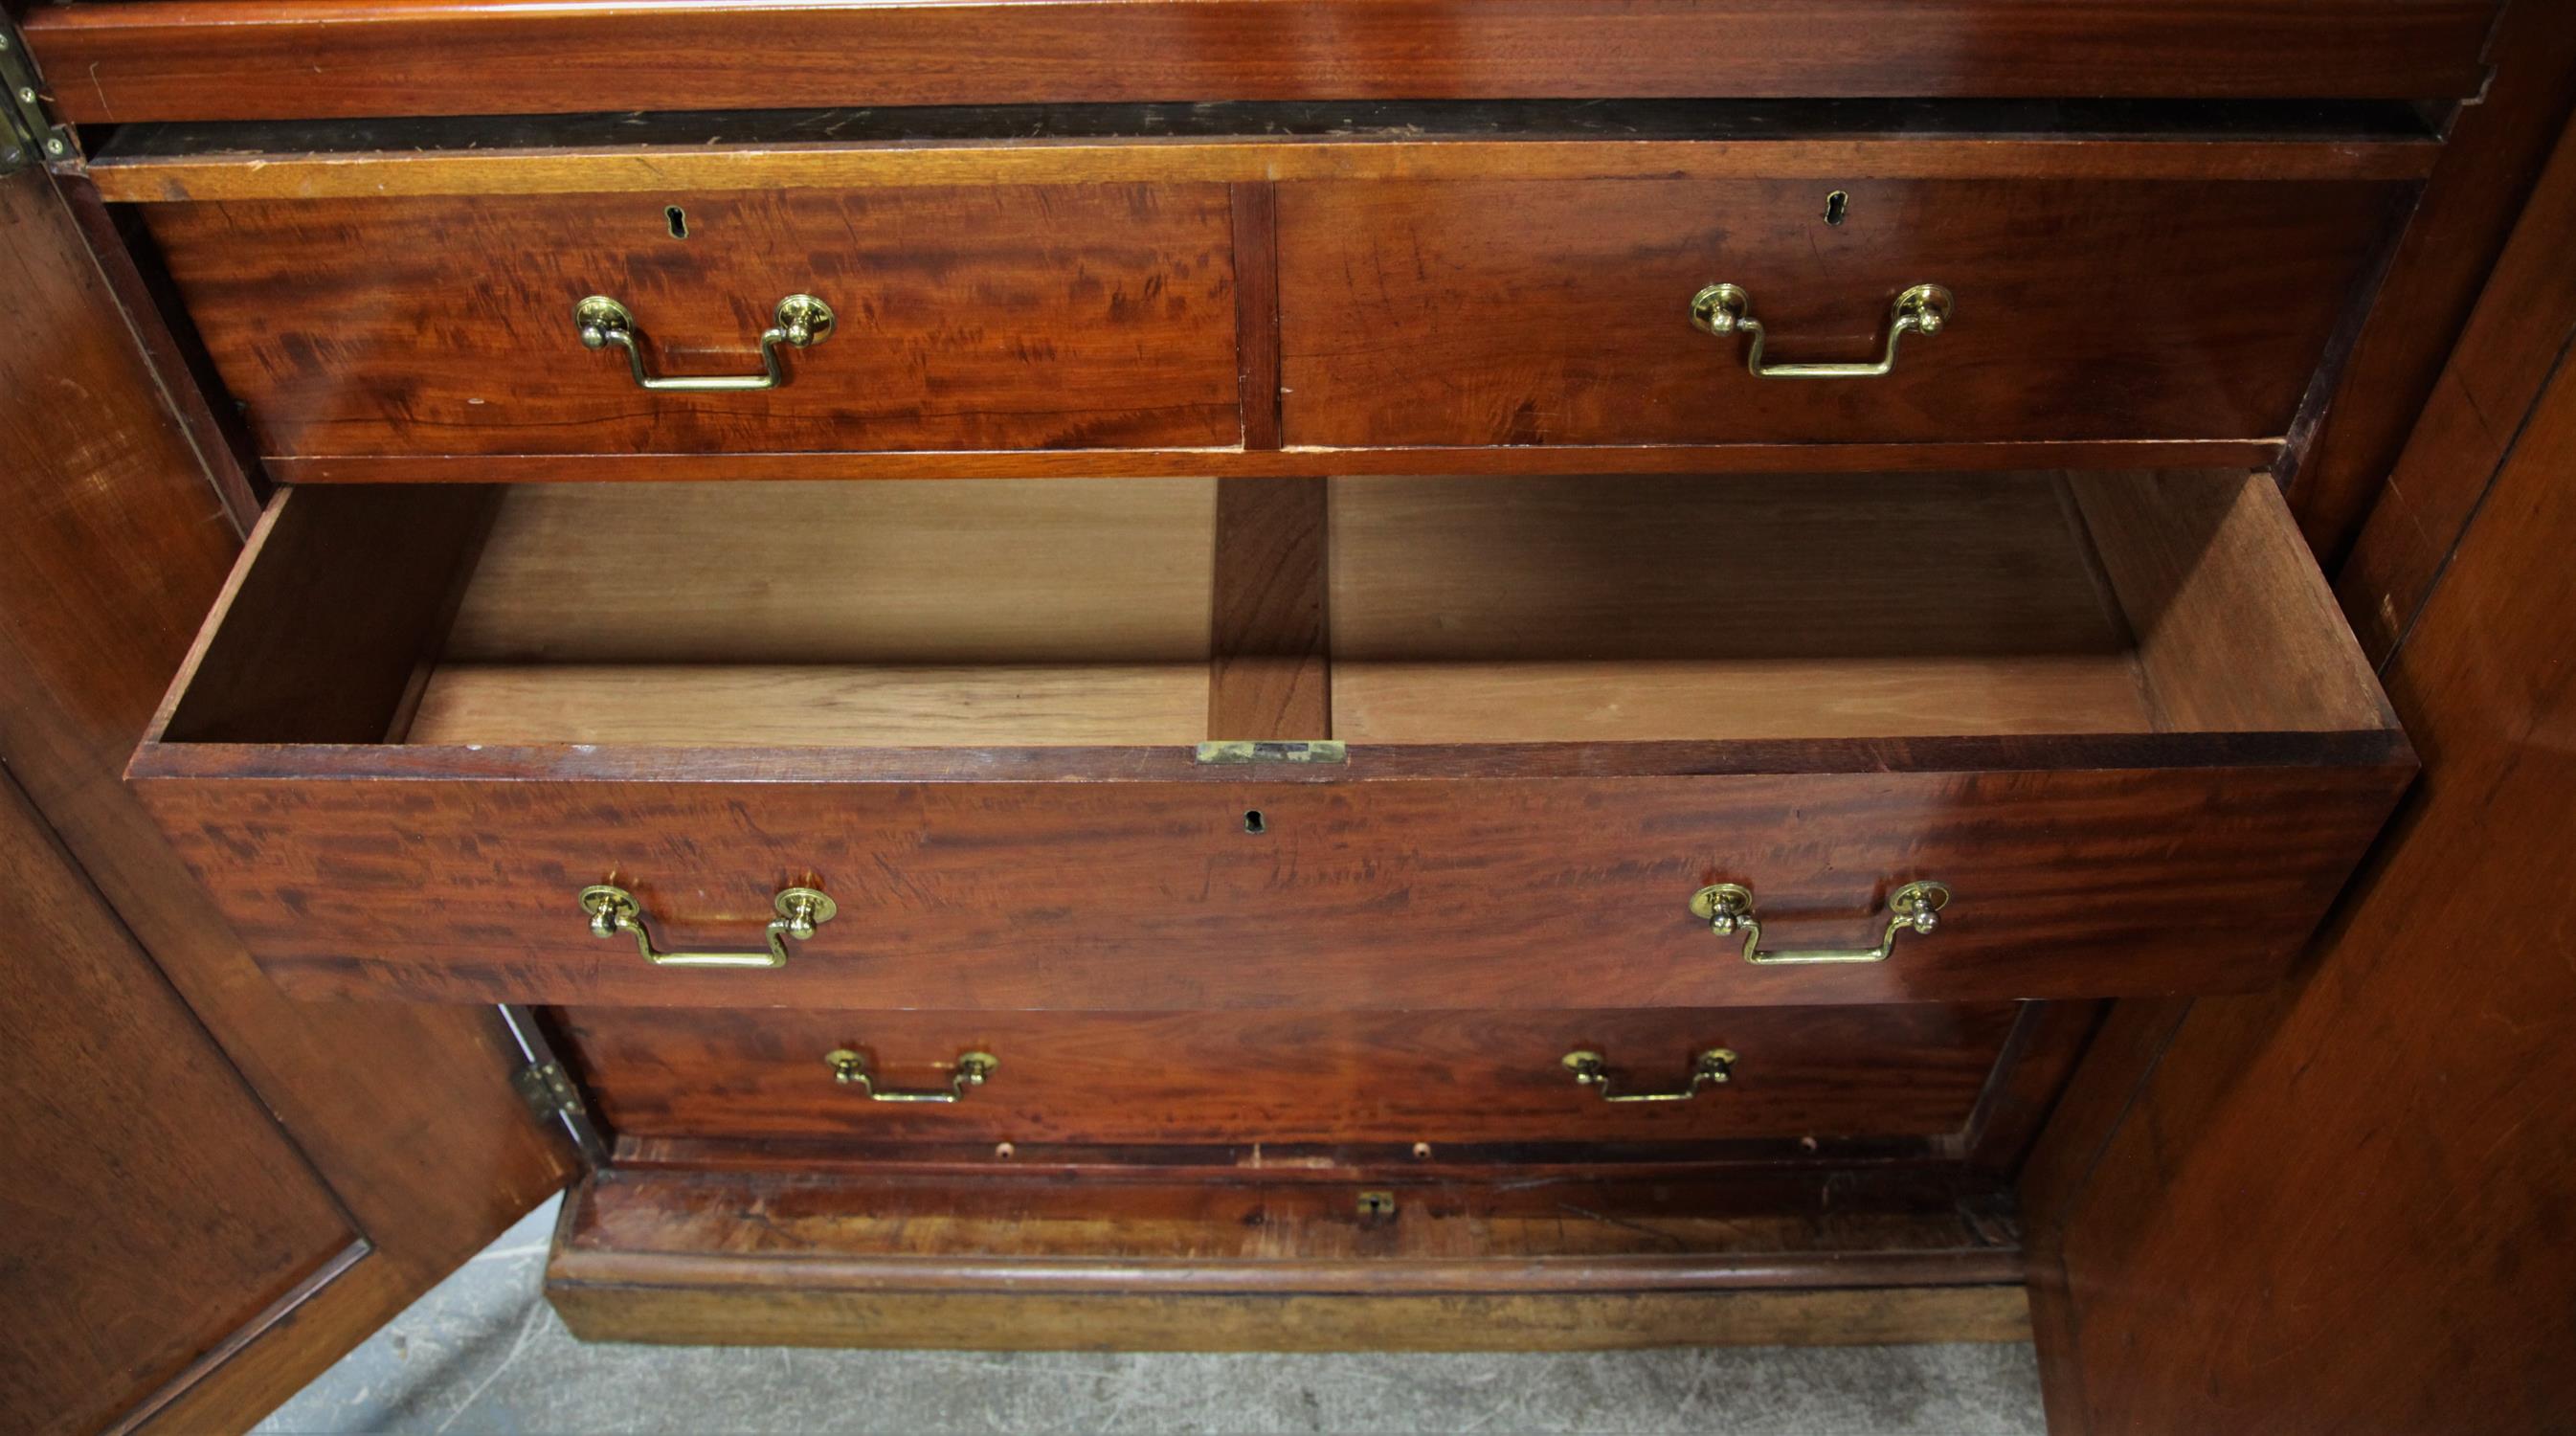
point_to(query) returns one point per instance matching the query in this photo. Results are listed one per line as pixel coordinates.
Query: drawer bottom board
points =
(1216, 1264)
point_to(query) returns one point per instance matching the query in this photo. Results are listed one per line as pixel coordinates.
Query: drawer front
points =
(1289, 1077)
(1518, 313)
(369, 822)
(958, 886)
(998, 317)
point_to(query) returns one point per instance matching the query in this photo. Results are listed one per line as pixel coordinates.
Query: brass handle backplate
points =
(800, 321)
(1725, 310)
(1711, 1068)
(613, 912)
(850, 1069)
(1728, 909)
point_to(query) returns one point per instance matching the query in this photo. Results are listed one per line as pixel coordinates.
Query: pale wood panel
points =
(1676, 607)
(832, 705)
(937, 572)
(1540, 701)
(2236, 627)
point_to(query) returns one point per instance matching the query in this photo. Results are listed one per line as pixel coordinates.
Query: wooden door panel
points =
(2344, 1205)
(113, 545)
(151, 1205)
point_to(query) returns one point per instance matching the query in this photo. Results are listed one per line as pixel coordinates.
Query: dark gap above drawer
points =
(1639, 119)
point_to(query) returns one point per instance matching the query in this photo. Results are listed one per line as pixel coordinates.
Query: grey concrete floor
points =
(484, 1353)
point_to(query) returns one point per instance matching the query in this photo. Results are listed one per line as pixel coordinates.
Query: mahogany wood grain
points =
(1523, 314)
(1292, 462)
(1159, 893)
(2047, 1041)
(982, 892)
(2516, 337)
(1759, 1176)
(1085, 317)
(2235, 627)
(153, 1206)
(2090, 1107)
(2367, 1172)
(1286, 1077)
(355, 606)
(1256, 311)
(183, 375)
(1249, 1230)
(1246, 1262)
(114, 548)
(2095, 1101)
(2493, 152)
(1260, 144)
(232, 59)
(1271, 676)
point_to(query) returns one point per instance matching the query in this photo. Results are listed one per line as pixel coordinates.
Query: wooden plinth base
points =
(1245, 1263)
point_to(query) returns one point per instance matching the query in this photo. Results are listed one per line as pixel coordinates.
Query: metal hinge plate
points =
(548, 1090)
(29, 135)
(1243, 752)
(552, 1096)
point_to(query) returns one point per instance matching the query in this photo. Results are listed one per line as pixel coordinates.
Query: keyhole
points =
(1252, 821)
(1835, 204)
(677, 219)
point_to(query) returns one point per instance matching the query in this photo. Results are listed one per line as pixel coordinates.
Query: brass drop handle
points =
(1724, 310)
(850, 1069)
(800, 320)
(1728, 908)
(613, 912)
(1711, 1068)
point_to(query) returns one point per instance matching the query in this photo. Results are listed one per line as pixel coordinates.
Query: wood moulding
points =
(1238, 1263)
(1258, 143)
(2492, 153)
(246, 59)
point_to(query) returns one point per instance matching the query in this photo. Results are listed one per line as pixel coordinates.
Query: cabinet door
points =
(153, 1207)
(2343, 1205)
(191, 1157)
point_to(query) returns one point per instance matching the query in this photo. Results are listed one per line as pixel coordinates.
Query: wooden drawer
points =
(2118, 715)
(993, 317)
(1519, 313)
(1290, 1077)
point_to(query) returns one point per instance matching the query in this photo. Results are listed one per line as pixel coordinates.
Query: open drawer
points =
(2116, 717)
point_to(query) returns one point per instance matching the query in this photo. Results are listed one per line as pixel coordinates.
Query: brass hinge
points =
(29, 134)
(551, 1094)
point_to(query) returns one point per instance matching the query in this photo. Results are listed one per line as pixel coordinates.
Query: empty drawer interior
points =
(1086, 612)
